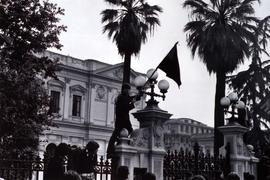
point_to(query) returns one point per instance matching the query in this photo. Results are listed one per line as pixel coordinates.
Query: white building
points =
(83, 100)
(184, 132)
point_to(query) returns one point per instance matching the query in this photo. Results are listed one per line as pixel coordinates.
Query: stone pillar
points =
(145, 146)
(241, 155)
(149, 139)
(125, 154)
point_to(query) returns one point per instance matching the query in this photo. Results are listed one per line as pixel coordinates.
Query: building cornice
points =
(69, 124)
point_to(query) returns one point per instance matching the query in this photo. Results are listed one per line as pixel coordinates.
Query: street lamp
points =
(142, 84)
(232, 101)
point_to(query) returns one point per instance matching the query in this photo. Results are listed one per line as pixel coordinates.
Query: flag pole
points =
(150, 77)
(156, 69)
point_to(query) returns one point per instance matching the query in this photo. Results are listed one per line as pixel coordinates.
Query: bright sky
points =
(84, 39)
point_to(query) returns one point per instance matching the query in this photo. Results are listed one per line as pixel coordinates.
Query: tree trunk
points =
(219, 113)
(126, 72)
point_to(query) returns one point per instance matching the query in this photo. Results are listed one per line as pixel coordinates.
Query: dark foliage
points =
(128, 24)
(27, 28)
(219, 33)
(253, 84)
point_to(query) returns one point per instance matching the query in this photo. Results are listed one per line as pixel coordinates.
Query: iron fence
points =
(181, 165)
(103, 169)
(13, 169)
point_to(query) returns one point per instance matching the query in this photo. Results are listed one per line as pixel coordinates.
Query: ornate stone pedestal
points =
(241, 155)
(146, 146)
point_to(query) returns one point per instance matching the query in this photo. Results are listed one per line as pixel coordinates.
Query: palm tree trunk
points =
(126, 72)
(219, 114)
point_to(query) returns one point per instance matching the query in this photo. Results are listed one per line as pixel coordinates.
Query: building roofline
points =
(182, 121)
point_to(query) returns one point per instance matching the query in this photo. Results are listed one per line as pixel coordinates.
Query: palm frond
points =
(194, 4)
(195, 29)
(111, 28)
(152, 21)
(194, 26)
(108, 15)
(199, 8)
(245, 8)
(143, 36)
(266, 63)
(114, 2)
(144, 27)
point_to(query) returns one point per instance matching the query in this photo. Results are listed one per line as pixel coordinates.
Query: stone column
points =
(125, 155)
(241, 156)
(150, 138)
(145, 146)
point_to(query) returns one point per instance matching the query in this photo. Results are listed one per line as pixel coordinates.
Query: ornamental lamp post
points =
(230, 104)
(143, 84)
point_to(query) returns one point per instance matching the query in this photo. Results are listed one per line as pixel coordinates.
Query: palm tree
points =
(128, 24)
(219, 32)
(253, 84)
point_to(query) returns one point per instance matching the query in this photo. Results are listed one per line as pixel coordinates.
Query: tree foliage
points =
(127, 23)
(219, 33)
(253, 84)
(27, 28)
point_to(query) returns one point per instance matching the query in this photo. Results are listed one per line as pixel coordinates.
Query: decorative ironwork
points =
(20, 169)
(184, 164)
(38, 164)
(11, 169)
(103, 169)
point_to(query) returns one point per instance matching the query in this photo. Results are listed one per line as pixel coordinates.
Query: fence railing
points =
(12, 169)
(177, 165)
(182, 165)
(103, 169)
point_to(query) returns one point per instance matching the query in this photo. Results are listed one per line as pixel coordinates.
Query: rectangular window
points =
(187, 129)
(55, 101)
(76, 108)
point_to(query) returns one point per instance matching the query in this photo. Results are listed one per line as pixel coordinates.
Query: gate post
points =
(241, 156)
(149, 139)
(125, 155)
(145, 146)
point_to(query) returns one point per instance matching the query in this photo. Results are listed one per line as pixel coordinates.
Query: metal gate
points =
(183, 164)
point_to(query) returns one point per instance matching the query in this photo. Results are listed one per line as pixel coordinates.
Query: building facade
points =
(82, 100)
(182, 133)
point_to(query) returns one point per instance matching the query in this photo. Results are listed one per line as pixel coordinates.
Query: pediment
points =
(56, 83)
(115, 72)
(78, 88)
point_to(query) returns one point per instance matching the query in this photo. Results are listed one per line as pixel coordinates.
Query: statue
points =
(124, 103)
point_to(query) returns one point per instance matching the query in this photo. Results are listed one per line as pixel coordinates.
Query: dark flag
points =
(170, 65)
